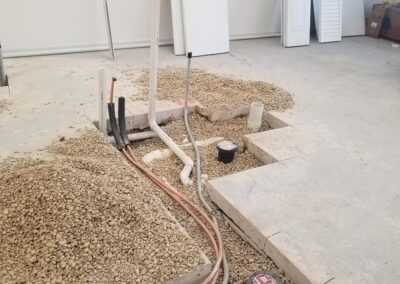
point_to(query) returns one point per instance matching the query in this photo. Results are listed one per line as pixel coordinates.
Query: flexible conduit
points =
(193, 210)
(198, 164)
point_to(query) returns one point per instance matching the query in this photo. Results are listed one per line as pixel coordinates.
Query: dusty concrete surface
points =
(345, 92)
(330, 210)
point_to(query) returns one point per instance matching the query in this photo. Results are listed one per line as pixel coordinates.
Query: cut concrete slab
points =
(136, 113)
(281, 144)
(221, 115)
(314, 235)
(273, 118)
(166, 111)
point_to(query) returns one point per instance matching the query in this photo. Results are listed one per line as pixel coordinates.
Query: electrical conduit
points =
(198, 167)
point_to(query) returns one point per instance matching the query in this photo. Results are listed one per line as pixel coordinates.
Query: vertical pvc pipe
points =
(155, 35)
(108, 25)
(154, 40)
(102, 96)
(3, 80)
(254, 121)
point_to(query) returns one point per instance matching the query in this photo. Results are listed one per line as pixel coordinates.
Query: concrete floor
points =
(346, 93)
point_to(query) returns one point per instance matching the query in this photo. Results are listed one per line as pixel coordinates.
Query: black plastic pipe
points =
(114, 126)
(121, 120)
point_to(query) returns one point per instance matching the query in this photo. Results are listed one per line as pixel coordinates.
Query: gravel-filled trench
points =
(81, 214)
(243, 258)
(216, 92)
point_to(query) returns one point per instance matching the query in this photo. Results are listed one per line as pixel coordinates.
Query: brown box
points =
(375, 20)
(391, 23)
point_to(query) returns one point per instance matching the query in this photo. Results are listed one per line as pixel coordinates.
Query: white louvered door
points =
(328, 20)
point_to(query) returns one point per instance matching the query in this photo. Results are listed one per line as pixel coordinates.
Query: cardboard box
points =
(391, 23)
(376, 20)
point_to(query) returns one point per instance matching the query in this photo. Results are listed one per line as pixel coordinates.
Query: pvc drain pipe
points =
(3, 77)
(155, 34)
(254, 121)
(137, 136)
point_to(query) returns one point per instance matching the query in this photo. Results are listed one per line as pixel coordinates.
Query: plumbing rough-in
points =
(155, 34)
(123, 144)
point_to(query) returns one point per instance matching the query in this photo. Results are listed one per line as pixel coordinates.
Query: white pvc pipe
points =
(141, 135)
(166, 153)
(254, 120)
(155, 34)
(137, 136)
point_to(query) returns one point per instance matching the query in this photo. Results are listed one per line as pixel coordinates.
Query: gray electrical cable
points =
(198, 165)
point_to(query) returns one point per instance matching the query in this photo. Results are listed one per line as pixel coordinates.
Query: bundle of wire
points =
(205, 223)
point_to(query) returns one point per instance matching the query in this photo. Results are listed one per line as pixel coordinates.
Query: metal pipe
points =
(3, 78)
(108, 25)
(155, 34)
(102, 94)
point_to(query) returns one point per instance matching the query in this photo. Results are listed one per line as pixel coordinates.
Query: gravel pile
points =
(82, 215)
(243, 258)
(216, 92)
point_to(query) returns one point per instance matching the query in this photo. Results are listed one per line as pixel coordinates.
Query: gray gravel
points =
(84, 215)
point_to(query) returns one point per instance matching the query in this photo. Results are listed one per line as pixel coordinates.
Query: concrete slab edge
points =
(257, 240)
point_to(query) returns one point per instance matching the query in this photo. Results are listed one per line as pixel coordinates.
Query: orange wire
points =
(181, 200)
(112, 89)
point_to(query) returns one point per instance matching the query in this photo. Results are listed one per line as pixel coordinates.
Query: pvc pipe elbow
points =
(185, 173)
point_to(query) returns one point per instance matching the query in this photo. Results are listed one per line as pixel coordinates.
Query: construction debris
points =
(83, 215)
(216, 92)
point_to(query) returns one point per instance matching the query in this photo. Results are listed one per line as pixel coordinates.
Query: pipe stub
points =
(226, 151)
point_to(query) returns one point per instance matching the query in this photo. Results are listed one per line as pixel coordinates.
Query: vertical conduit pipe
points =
(108, 25)
(3, 79)
(102, 95)
(155, 33)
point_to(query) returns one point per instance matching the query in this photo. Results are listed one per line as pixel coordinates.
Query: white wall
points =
(254, 18)
(29, 27)
(51, 26)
